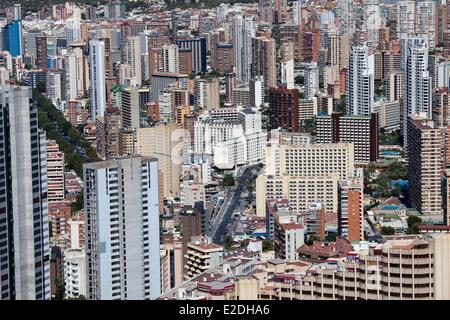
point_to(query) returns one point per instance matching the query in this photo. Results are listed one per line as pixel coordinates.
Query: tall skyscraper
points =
(24, 246)
(417, 82)
(12, 38)
(426, 21)
(405, 19)
(360, 82)
(98, 85)
(263, 62)
(73, 29)
(133, 59)
(122, 219)
(110, 125)
(297, 11)
(243, 31)
(426, 158)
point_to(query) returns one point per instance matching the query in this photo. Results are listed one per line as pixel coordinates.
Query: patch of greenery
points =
(47, 114)
(387, 231)
(413, 224)
(311, 239)
(244, 243)
(228, 243)
(228, 180)
(381, 185)
(78, 204)
(391, 138)
(267, 245)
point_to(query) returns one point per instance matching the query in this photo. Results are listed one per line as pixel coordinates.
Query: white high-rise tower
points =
(24, 235)
(98, 85)
(243, 31)
(122, 237)
(360, 82)
(417, 90)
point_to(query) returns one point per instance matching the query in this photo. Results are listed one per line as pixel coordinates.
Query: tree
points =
(41, 87)
(341, 105)
(78, 204)
(228, 242)
(244, 243)
(395, 192)
(311, 240)
(266, 245)
(228, 180)
(250, 186)
(413, 224)
(387, 231)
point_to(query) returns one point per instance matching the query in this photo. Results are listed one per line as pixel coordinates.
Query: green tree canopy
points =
(228, 180)
(228, 242)
(266, 245)
(387, 231)
(413, 224)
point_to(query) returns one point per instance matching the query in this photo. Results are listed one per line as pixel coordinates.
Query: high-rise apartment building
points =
(11, 35)
(202, 255)
(97, 73)
(283, 109)
(360, 82)
(395, 86)
(417, 92)
(441, 107)
(206, 94)
(350, 209)
(400, 269)
(263, 62)
(24, 235)
(426, 21)
(289, 235)
(197, 46)
(41, 52)
(55, 172)
(362, 131)
(305, 174)
(130, 107)
(132, 57)
(426, 158)
(122, 220)
(244, 30)
(311, 78)
(170, 58)
(164, 143)
(405, 19)
(223, 58)
(111, 127)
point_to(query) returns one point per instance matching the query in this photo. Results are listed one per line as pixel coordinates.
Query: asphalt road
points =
(219, 223)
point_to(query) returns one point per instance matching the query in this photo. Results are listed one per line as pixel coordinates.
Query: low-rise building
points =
(201, 255)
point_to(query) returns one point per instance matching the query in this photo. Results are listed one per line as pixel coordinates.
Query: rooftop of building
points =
(113, 162)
